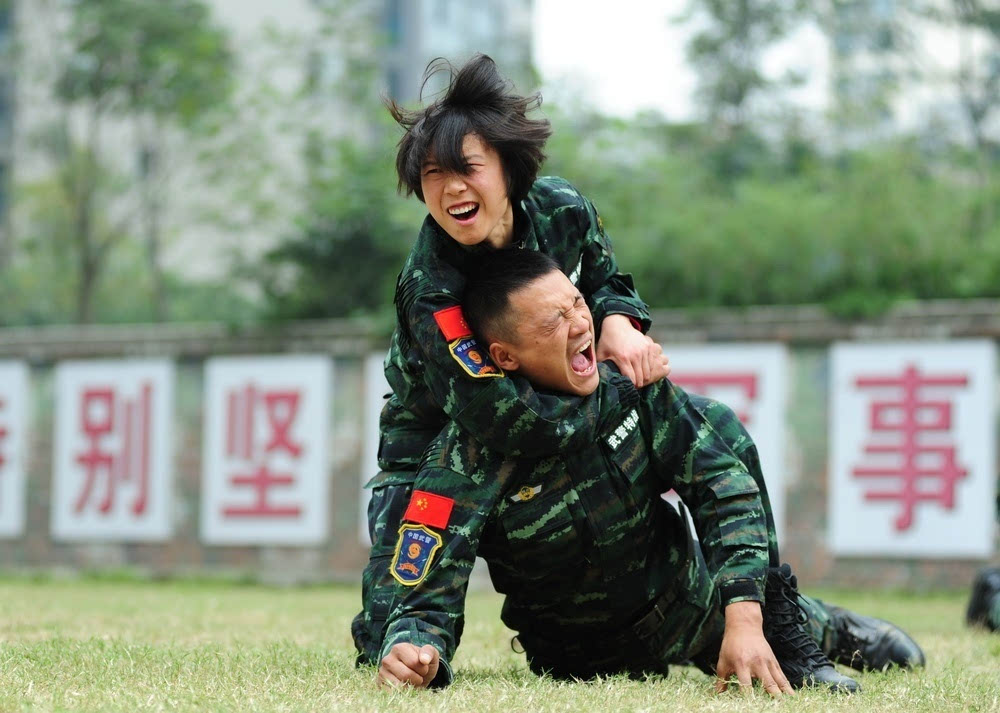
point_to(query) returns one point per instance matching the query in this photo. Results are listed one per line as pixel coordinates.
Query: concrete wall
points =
(807, 332)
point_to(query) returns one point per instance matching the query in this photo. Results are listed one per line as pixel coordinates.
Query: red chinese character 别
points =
(701, 383)
(925, 472)
(101, 416)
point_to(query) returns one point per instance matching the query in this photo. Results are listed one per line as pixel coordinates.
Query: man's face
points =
(554, 345)
(471, 208)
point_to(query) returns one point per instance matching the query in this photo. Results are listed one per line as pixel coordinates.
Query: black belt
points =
(650, 623)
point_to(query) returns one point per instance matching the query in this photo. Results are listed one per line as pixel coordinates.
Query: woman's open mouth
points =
(583, 362)
(464, 213)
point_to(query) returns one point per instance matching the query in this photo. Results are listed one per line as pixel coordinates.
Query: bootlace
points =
(788, 620)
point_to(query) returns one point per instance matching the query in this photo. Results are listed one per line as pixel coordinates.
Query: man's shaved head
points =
(491, 281)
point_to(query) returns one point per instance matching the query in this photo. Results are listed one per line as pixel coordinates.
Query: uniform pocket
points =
(391, 492)
(626, 448)
(739, 510)
(540, 533)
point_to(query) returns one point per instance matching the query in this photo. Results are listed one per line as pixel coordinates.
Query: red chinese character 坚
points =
(702, 383)
(925, 472)
(262, 480)
(102, 416)
(280, 408)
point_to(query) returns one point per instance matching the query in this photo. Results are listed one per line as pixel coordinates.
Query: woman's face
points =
(471, 208)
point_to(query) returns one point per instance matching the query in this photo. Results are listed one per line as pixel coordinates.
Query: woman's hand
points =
(638, 357)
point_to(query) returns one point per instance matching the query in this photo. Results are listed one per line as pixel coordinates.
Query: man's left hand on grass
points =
(746, 654)
(409, 665)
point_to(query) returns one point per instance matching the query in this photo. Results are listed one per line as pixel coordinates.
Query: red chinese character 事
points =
(280, 409)
(102, 416)
(702, 383)
(925, 471)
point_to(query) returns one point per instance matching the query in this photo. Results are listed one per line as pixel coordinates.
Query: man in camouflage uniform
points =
(433, 382)
(601, 575)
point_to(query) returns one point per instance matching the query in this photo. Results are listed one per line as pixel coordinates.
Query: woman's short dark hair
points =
(478, 100)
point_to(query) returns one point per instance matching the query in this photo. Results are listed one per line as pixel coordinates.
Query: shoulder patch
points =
(429, 509)
(451, 322)
(473, 359)
(415, 550)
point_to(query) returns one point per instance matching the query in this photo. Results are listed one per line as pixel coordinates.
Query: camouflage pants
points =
(391, 494)
(689, 631)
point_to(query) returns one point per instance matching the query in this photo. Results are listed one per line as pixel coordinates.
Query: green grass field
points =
(137, 646)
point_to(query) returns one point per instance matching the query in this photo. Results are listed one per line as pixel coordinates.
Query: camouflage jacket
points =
(433, 377)
(580, 543)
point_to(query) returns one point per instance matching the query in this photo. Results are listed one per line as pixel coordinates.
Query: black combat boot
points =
(800, 657)
(985, 598)
(870, 644)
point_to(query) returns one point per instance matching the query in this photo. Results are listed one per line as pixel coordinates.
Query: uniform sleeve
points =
(722, 495)
(607, 290)
(501, 411)
(431, 611)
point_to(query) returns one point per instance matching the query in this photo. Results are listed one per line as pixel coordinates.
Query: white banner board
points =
(912, 449)
(752, 379)
(376, 389)
(113, 470)
(265, 466)
(13, 442)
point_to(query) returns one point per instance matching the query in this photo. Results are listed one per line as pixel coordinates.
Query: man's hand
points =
(407, 664)
(746, 654)
(638, 357)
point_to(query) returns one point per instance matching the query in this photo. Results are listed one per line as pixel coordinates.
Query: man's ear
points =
(502, 356)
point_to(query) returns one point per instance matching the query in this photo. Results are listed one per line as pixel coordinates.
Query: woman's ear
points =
(502, 356)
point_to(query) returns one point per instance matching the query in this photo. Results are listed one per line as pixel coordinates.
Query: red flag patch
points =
(452, 323)
(429, 509)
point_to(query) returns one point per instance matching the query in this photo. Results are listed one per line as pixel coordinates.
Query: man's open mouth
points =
(464, 212)
(583, 362)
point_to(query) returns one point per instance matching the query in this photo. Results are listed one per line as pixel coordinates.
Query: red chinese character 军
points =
(102, 416)
(702, 383)
(906, 421)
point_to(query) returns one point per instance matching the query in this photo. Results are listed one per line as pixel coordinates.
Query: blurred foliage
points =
(355, 235)
(757, 204)
(855, 230)
(727, 52)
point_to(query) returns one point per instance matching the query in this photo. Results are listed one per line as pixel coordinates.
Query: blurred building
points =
(6, 118)
(895, 67)
(306, 71)
(417, 31)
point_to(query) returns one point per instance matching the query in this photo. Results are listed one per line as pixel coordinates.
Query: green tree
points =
(728, 50)
(158, 66)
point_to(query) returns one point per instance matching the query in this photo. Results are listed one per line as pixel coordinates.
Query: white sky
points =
(623, 56)
(619, 55)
